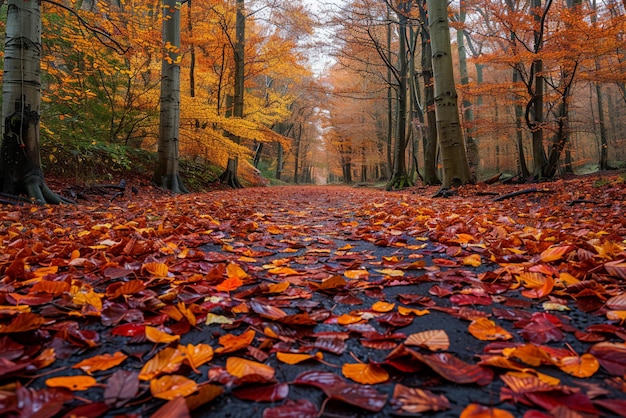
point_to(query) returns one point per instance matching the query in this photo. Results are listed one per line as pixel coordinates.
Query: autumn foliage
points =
(292, 301)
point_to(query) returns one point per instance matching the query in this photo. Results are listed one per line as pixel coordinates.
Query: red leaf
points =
(364, 397)
(176, 408)
(262, 393)
(455, 370)
(302, 408)
(129, 330)
(611, 356)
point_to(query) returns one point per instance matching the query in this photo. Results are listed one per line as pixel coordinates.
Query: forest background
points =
(542, 84)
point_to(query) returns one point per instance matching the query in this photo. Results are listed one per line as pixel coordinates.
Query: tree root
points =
(172, 183)
(399, 182)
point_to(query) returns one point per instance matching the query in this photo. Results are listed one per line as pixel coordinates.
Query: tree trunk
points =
(400, 178)
(20, 163)
(468, 114)
(430, 138)
(166, 173)
(228, 177)
(454, 158)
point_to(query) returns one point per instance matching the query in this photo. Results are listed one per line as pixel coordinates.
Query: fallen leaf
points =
(72, 383)
(172, 386)
(366, 374)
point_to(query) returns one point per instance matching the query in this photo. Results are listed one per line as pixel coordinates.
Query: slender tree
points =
(166, 173)
(453, 155)
(20, 162)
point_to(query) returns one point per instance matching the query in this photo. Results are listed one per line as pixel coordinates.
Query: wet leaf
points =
(159, 337)
(366, 374)
(231, 343)
(295, 358)
(487, 330)
(240, 367)
(172, 386)
(168, 360)
(101, 362)
(262, 393)
(72, 383)
(197, 355)
(582, 366)
(121, 388)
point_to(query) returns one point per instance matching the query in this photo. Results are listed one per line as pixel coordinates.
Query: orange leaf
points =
(402, 310)
(101, 362)
(23, 322)
(167, 360)
(197, 355)
(234, 271)
(295, 358)
(240, 367)
(555, 253)
(382, 306)
(50, 287)
(416, 401)
(171, 387)
(155, 269)
(356, 274)
(530, 354)
(487, 330)
(232, 283)
(432, 339)
(277, 287)
(285, 271)
(232, 343)
(472, 260)
(157, 336)
(475, 410)
(579, 366)
(347, 319)
(366, 374)
(72, 382)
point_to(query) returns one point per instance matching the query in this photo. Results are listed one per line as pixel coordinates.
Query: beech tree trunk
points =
(20, 163)
(453, 155)
(400, 177)
(228, 176)
(166, 173)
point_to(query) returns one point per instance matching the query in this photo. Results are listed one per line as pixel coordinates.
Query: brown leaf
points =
(121, 387)
(176, 408)
(432, 339)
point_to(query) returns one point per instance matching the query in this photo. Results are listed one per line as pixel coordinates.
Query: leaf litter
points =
(300, 301)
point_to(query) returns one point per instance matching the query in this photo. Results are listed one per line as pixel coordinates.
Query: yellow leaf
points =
(277, 287)
(170, 387)
(240, 367)
(157, 336)
(616, 315)
(72, 382)
(366, 374)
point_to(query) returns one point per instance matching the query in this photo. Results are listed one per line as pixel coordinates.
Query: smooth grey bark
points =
(400, 177)
(430, 138)
(20, 162)
(468, 112)
(229, 176)
(166, 173)
(453, 155)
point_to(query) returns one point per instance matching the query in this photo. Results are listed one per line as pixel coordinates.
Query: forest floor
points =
(306, 301)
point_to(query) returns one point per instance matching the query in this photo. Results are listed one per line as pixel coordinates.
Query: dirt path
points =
(436, 305)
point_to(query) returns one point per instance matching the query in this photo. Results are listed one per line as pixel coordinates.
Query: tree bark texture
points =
(20, 163)
(166, 174)
(453, 154)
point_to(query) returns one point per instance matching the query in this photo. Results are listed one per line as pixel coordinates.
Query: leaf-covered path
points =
(309, 301)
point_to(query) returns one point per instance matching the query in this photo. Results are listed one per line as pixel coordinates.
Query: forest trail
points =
(283, 301)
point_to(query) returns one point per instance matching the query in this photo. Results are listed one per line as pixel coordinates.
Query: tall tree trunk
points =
(453, 155)
(389, 152)
(400, 178)
(468, 113)
(519, 137)
(192, 54)
(229, 176)
(20, 162)
(166, 173)
(430, 138)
